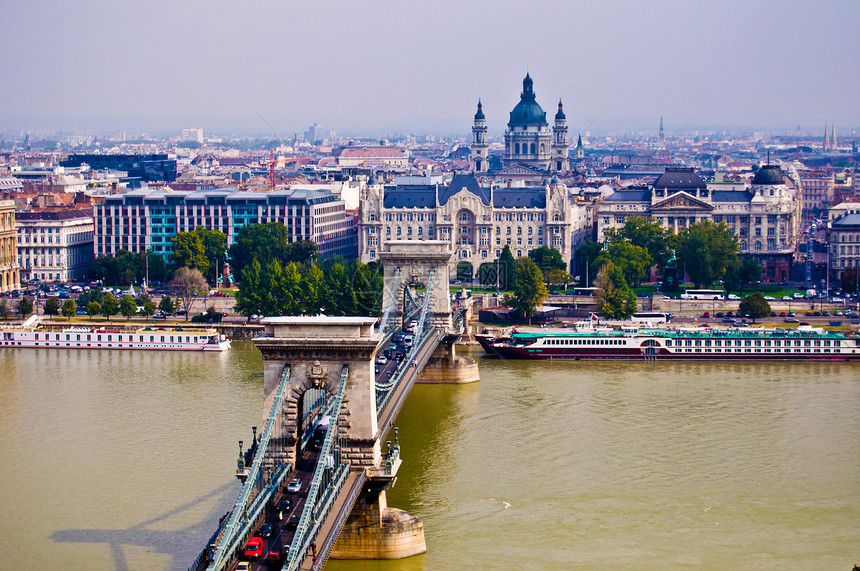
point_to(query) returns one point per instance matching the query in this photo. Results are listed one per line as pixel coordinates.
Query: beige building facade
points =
(765, 216)
(10, 276)
(477, 221)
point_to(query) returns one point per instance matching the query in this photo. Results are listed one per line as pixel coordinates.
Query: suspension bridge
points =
(316, 484)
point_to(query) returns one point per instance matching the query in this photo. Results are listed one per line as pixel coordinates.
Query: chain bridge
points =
(316, 484)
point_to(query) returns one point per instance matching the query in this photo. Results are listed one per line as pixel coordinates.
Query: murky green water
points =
(124, 460)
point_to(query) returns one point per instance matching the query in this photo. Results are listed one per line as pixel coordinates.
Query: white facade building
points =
(55, 245)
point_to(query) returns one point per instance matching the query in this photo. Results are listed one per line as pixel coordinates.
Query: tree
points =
(302, 251)
(25, 307)
(214, 248)
(633, 261)
(52, 306)
(188, 252)
(547, 259)
(313, 285)
(756, 305)
(70, 309)
(186, 284)
(127, 306)
(4, 309)
(585, 258)
(706, 249)
(157, 268)
(110, 306)
(529, 290)
(261, 242)
(558, 277)
(248, 298)
(148, 309)
(93, 308)
(648, 233)
(749, 271)
(166, 306)
(614, 298)
(507, 269)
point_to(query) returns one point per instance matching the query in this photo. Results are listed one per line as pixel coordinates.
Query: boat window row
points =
(119, 338)
(757, 350)
(584, 341)
(751, 342)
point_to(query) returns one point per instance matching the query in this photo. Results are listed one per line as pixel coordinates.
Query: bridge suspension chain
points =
(321, 496)
(384, 390)
(251, 503)
(390, 302)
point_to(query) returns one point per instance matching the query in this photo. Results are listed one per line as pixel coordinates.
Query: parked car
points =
(733, 297)
(295, 485)
(718, 314)
(786, 298)
(254, 548)
(706, 314)
(783, 314)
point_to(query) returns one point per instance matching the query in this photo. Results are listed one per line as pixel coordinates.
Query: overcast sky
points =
(380, 67)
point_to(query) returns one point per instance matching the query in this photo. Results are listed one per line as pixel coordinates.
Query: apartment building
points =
(55, 244)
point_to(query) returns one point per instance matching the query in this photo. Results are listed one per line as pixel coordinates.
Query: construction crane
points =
(271, 164)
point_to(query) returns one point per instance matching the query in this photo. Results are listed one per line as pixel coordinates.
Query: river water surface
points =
(124, 460)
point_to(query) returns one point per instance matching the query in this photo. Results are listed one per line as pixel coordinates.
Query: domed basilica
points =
(528, 140)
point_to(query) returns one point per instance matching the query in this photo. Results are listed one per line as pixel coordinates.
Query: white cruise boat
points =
(32, 333)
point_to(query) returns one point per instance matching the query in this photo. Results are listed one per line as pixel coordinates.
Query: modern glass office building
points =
(147, 219)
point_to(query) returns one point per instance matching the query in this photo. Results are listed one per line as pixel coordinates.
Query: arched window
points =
(542, 148)
(758, 246)
(533, 148)
(517, 147)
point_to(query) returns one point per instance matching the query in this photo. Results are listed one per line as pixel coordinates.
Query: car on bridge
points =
(254, 548)
(293, 522)
(266, 530)
(382, 360)
(243, 566)
(295, 485)
(275, 557)
(285, 505)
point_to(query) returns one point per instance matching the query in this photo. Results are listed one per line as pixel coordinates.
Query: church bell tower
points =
(560, 161)
(480, 148)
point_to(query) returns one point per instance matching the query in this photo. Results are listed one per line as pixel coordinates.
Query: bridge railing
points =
(328, 479)
(256, 491)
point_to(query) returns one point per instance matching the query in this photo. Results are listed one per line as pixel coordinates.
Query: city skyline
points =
(387, 67)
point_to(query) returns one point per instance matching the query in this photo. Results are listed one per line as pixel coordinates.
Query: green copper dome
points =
(527, 112)
(768, 174)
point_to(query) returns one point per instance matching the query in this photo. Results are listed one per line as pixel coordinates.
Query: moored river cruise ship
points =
(33, 334)
(694, 343)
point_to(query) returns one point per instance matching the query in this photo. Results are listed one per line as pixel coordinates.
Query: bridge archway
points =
(317, 349)
(407, 262)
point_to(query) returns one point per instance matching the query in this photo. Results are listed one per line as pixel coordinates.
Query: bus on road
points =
(702, 294)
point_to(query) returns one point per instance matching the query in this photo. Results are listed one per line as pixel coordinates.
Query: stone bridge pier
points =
(317, 348)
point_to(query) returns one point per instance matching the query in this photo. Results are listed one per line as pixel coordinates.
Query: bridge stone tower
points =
(415, 259)
(317, 348)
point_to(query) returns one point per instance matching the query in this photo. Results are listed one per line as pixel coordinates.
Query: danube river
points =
(125, 460)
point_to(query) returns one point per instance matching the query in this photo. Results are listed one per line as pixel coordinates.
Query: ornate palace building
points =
(765, 216)
(528, 140)
(478, 221)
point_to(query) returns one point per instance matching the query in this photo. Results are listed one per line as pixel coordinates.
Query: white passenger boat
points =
(32, 333)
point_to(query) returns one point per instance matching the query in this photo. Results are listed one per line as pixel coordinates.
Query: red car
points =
(275, 557)
(254, 548)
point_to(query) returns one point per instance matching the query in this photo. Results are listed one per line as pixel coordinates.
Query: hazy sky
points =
(379, 67)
